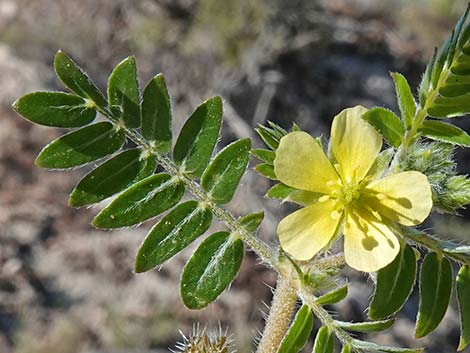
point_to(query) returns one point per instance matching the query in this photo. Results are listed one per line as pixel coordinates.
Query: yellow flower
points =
(351, 202)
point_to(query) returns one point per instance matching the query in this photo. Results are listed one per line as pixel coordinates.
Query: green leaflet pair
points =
(129, 174)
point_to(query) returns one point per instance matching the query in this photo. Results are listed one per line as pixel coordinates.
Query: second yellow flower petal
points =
(368, 245)
(354, 143)
(308, 230)
(405, 197)
(301, 163)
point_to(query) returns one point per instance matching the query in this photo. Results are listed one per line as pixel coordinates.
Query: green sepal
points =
(73, 77)
(333, 297)
(264, 155)
(387, 124)
(323, 341)
(269, 136)
(197, 139)
(299, 331)
(55, 109)
(395, 283)
(374, 347)
(406, 101)
(435, 286)
(266, 170)
(156, 114)
(82, 146)
(179, 228)
(222, 176)
(369, 326)
(252, 221)
(463, 298)
(441, 131)
(113, 176)
(381, 164)
(124, 93)
(140, 202)
(211, 269)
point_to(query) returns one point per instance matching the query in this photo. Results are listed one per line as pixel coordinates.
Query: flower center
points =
(349, 192)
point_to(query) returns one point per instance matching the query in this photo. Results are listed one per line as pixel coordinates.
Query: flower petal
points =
(369, 245)
(354, 143)
(301, 163)
(405, 197)
(308, 230)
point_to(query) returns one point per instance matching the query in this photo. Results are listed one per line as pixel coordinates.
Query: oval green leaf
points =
(112, 177)
(76, 80)
(252, 221)
(210, 270)
(142, 201)
(346, 349)
(333, 297)
(324, 341)
(463, 297)
(123, 92)
(299, 331)
(406, 101)
(369, 326)
(172, 234)
(222, 176)
(438, 130)
(156, 114)
(55, 109)
(266, 156)
(266, 170)
(197, 139)
(386, 123)
(80, 147)
(435, 286)
(394, 285)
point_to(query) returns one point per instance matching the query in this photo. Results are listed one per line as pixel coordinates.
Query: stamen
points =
(324, 198)
(381, 196)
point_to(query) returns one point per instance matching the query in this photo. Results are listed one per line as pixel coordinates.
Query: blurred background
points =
(67, 288)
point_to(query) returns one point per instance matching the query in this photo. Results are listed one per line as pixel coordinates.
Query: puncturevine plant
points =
(376, 182)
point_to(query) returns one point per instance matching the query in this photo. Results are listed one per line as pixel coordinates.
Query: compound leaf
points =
(55, 109)
(113, 176)
(140, 202)
(76, 80)
(181, 226)
(394, 284)
(211, 269)
(463, 297)
(124, 94)
(441, 131)
(386, 123)
(222, 176)
(299, 331)
(156, 114)
(435, 286)
(197, 139)
(324, 341)
(82, 146)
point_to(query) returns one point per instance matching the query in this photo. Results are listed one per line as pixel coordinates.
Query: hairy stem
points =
(280, 314)
(325, 318)
(263, 250)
